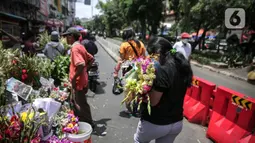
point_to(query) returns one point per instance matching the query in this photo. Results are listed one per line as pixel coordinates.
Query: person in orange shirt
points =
(130, 49)
(81, 61)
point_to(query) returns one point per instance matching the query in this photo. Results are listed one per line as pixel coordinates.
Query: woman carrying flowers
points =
(173, 76)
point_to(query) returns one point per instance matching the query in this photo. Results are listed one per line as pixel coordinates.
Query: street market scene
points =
(127, 71)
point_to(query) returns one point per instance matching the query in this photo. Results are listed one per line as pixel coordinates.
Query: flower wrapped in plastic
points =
(139, 81)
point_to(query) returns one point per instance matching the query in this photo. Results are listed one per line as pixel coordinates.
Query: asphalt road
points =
(219, 79)
(229, 82)
(107, 112)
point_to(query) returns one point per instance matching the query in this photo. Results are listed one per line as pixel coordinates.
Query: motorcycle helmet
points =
(128, 34)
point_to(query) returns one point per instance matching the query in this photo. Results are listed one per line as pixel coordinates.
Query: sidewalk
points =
(239, 73)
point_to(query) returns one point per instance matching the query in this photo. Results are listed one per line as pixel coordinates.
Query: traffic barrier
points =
(233, 116)
(197, 101)
(248, 139)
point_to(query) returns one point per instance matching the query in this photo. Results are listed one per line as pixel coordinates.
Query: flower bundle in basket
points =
(138, 82)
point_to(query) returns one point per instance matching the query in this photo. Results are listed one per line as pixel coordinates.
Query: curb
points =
(229, 74)
(108, 51)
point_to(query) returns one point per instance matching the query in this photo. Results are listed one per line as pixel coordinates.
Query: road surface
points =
(107, 112)
(219, 79)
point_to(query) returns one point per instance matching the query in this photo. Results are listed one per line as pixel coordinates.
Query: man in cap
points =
(81, 61)
(54, 48)
(183, 46)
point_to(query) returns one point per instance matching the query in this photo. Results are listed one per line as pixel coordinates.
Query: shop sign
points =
(44, 7)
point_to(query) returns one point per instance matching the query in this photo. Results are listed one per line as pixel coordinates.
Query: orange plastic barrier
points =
(233, 116)
(197, 101)
(248, 139)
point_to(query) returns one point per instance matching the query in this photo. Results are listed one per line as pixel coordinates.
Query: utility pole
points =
(92, 7)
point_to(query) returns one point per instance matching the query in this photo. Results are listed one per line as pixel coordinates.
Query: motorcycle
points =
(93, 76)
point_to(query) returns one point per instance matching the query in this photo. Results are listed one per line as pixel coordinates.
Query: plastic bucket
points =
(84, 137)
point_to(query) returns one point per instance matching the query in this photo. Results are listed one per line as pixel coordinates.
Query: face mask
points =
(185, 41)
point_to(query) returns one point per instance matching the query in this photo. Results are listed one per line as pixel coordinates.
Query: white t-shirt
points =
(184, 49)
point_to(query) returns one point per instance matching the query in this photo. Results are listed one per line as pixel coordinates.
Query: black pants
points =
(84, 113)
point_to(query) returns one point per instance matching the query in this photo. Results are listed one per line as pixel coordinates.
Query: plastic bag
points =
(15, 86)
(117, 86)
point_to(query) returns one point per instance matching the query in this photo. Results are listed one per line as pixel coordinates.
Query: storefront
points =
(12, 24)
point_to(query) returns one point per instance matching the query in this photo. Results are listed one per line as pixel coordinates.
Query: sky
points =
(85, 10)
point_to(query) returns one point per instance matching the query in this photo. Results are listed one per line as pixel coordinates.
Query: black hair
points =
(129, 35)
(161, 46)
(26, 36)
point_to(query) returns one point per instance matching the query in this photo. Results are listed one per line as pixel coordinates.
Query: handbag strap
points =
(133, 49)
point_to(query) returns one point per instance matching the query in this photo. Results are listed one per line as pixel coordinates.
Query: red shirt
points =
(79, 55)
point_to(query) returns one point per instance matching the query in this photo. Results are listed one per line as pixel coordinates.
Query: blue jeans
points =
(147, 132)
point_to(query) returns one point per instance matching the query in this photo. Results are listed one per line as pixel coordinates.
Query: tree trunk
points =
(143, 28)
(203, 38)
(218, 40)
(197, 40)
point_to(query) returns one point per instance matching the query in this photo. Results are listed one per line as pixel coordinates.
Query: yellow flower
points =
(70, 125)
(24, 116)
(73, 119)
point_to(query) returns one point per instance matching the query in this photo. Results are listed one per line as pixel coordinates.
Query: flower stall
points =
(33, 108)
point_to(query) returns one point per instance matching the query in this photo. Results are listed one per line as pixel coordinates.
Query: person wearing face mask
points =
(183, 46)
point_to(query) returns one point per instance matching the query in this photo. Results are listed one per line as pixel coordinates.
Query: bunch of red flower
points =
(11, 130)
(24, 75)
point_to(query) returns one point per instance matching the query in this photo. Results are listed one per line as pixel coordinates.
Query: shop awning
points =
(13, 16)
(54, 22)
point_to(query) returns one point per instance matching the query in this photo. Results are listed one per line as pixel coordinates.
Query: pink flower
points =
(65, 85)
(24, 77)
(24, 71)
(14, 62)
(146, 89)
(36, 140)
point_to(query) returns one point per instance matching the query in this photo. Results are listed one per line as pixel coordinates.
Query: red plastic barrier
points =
(248, 139)
(197, 101)
(233, 116)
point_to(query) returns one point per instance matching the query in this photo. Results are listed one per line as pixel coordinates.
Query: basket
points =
(81, 137)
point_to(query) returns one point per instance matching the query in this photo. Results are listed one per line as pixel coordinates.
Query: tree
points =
(148, 13)
(113, 15)
(77, 21)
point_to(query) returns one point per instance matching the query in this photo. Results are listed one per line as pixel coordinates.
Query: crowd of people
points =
(173, 76)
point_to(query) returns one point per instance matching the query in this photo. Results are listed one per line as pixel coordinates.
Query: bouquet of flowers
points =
(66, 122)
(55, 139)
(139, 82)
(70, 124)
(20, 127)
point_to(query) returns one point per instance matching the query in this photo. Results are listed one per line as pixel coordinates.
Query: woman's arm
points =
(155, 97)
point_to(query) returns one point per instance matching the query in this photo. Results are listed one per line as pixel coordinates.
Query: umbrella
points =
(78, 27)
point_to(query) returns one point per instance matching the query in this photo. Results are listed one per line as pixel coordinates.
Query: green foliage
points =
(78, 21)
(44, 38)
(16, 65)
(118, 14)
(60, 68)
(201, 60)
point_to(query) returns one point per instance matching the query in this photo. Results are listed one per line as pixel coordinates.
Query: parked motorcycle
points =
(93, 76)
